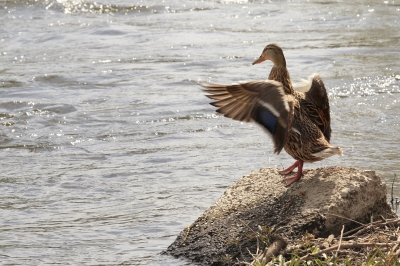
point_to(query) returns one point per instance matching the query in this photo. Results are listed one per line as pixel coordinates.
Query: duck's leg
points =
(296, 177)
(291, 168)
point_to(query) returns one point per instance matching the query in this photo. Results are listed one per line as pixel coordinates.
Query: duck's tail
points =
(328, 152)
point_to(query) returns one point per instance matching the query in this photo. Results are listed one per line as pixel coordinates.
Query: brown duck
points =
(298, 120)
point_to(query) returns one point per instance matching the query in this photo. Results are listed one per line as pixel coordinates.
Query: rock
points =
(320, 203)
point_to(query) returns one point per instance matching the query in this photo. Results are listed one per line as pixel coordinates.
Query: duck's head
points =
(274, 53)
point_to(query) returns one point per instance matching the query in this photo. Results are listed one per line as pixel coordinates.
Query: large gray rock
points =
(320, 203)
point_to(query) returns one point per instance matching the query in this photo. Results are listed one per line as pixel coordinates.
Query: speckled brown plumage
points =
(298, 121)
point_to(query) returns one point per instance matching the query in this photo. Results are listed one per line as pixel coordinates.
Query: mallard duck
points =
(298, 120)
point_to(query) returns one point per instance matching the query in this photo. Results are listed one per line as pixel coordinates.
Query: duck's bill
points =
(259, 60)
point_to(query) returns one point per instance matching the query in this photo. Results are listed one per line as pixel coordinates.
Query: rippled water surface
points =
(109, 148)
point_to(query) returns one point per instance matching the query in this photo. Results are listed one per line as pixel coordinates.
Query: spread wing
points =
(317, 104)
(264, 102)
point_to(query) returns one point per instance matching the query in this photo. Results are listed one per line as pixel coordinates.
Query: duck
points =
(296, 116)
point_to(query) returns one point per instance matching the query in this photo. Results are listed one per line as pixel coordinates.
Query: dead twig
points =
(345, 246)
(340, 241)
(397, 253)
(187, 234)
(392, 200)
(363, 230)
(377, 223)
(344, 218)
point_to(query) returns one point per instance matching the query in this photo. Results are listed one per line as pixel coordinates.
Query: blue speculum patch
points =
(268, 120)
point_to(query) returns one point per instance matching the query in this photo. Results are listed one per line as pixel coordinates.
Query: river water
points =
(109, 147)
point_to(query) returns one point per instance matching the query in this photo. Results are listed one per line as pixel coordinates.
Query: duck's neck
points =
(281, 74)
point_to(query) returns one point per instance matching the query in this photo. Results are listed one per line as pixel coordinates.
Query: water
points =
(109, 148)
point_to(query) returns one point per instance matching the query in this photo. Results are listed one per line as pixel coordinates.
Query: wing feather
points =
(264, 102)
(319, 112)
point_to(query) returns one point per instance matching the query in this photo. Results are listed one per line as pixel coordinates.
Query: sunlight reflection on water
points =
(109, 147)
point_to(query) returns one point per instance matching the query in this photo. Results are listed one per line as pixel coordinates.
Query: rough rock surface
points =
(316, 203)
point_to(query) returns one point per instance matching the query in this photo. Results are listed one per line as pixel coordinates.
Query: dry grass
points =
(375, 243)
